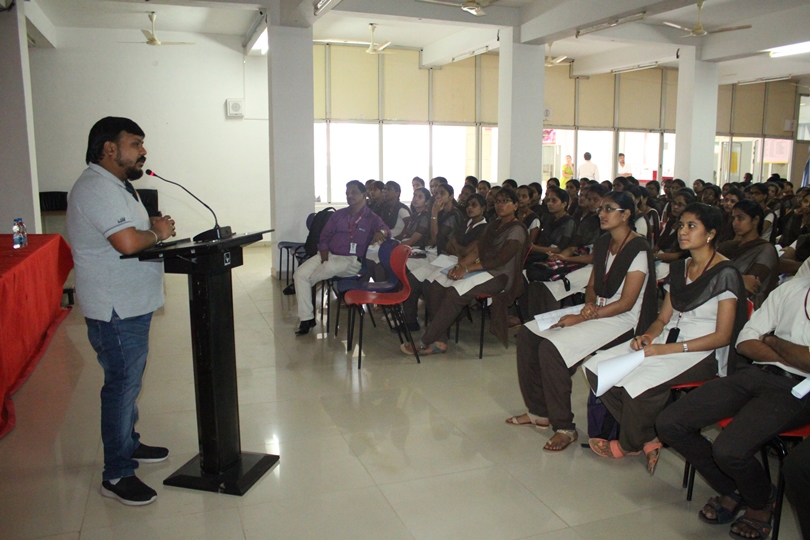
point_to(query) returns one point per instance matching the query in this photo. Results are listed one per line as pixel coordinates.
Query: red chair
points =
(355, 300)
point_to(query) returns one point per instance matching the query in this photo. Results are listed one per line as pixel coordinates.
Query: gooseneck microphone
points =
(217, 233)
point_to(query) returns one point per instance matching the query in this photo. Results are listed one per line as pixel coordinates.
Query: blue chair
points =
(354, 283)
(294, 252)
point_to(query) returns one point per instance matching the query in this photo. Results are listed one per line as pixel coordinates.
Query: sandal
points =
(570, 433)
(722, 515)
(609, 449)
(652, 450)
(540, 422)
(423, 350)
(761, 528)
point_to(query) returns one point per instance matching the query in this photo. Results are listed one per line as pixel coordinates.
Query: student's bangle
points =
(156, 236)
(685, 347)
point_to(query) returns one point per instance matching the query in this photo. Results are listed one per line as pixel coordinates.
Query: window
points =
(354, 155)
(406, 153)
(489, 153)
(557, 144)
(640, 151)
(776, 154)
(668, 161)
(454, 153)
(600, 146)
(746, 156)
(803, 133)
(321, 184)
(722, 146)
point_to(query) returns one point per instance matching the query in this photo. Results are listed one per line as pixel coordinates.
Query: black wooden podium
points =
(221, 466)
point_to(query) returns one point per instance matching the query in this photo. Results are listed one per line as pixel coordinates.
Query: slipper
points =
(652, 450)
(570, 433)
(430, 349)
(608, 449)
(539, 422)
(761, 528)
(722, 514)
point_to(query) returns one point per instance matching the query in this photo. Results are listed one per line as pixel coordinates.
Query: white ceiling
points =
(434, 28)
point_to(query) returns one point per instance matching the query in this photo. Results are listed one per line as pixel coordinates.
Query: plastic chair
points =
(294, 252)
(353, 283)
(356, 299)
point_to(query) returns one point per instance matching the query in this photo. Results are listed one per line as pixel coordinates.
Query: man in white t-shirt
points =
(624, 169)
(588, 170)
(764, 400)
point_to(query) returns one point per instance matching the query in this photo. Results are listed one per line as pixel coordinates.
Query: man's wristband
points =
(156, 236)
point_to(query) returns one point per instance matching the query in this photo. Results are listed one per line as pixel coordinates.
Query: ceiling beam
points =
(411, 9)
(470, 42)
(623, 58)
(39, 26)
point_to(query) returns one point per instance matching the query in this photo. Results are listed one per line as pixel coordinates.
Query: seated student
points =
(667, 249)
(463, 195)
(392, 211)
(558, 229)
(759, 194)
(702, 313)
(731, 198)
(758, 397)
(755, 258)
(490, 214)
(794, 255)
(620, 300)
(797, 222)
(553, 182)
(435, 182)
(483, 188)
(653, 188)
(607, 184)
(643, 225)
(344, 240)
(471, 181)
(697, 187)
(572, 188)
(525, 214)
(710, 195)
(651, 216)
(537, 205)
(510, 184)
(445, 217)
(374, 194)
(417, 183)
(416, 232)
(497, 264)
(620, 183)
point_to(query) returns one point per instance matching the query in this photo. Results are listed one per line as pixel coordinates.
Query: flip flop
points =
(722, 514)
(430, 349)
(537, 421)
(570, 433)
(761, 528)
(652, 451)
(608, 449)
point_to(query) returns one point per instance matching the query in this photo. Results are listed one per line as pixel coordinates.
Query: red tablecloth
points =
(31, 281)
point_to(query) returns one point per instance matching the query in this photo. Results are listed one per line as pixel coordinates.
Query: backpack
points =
(315, 229)
(601, 424)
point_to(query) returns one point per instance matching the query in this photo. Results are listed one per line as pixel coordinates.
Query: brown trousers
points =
(444, 305)
(636, 416)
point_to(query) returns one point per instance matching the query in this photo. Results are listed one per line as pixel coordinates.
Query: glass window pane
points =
(354, 155)
(668, 165)
(722, 146)
(454, 153)
(321, 190)
(776, 156)
(640, 151)
(746, 156)
(557, 145)
(489, 153)
(804, 119)
(600, 145)
(405, 155)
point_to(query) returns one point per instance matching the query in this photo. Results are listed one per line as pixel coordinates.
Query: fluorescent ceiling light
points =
(638, 67)
(262, 43)
(764, 80)
(611, 24)
(789, 50)
(321, 5)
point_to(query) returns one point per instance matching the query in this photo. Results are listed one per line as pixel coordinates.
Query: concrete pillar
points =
(696, 119)
(19, 187)
(521, 87)
(292, 140)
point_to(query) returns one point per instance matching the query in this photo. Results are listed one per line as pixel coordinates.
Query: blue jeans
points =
(122, 346)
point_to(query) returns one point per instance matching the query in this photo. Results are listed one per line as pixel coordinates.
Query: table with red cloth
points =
(31, 281)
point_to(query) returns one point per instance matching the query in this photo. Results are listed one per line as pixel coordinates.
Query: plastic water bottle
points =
(20, 234)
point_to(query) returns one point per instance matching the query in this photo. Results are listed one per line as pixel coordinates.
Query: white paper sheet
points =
(545, 320)
(801, 389)
(610, 372)
(445, 261)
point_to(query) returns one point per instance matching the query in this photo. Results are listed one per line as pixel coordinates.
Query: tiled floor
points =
(396, 450)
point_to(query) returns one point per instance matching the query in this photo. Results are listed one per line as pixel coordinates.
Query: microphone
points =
(217, 233)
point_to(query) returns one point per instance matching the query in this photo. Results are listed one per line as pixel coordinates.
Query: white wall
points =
(177, 95)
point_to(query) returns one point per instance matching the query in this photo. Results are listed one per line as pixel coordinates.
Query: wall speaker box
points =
(235, 107)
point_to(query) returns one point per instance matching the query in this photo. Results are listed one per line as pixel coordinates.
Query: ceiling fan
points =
(699, 31)
(374, 48)
(473, 7)
(559, 61)
(151, 37)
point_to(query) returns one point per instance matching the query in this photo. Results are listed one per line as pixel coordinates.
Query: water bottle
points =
(20, 234)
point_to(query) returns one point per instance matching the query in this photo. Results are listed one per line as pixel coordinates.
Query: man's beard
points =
(132, 171)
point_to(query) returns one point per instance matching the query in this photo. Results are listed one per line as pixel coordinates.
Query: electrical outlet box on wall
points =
(235, 108)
